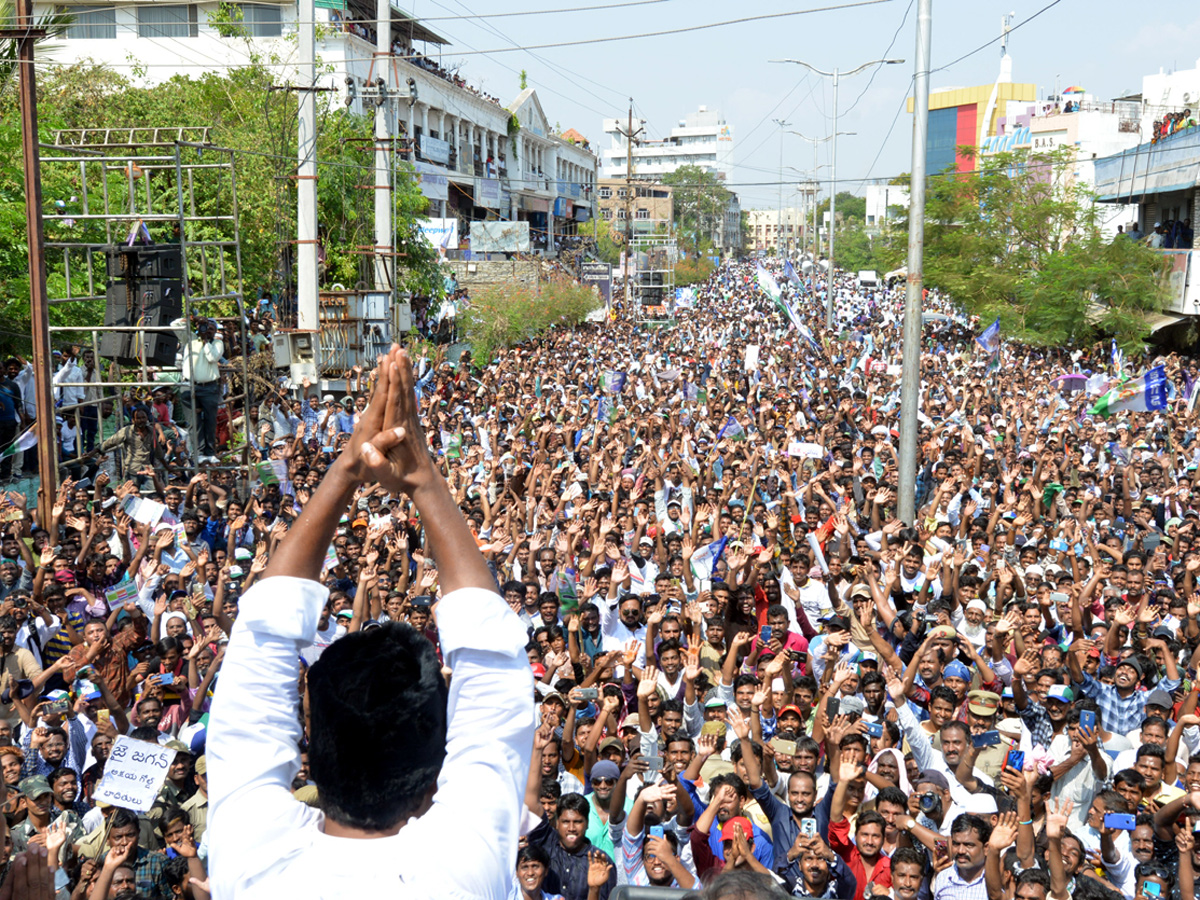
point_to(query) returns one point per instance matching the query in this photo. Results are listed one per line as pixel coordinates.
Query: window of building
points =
(166, 21)
(620, 213)
(606, 213)
(605, 193)
(622, 192)
(90, 23)
(262, 20)
(642, 213)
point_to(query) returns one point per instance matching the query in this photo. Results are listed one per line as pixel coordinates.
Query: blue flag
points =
(989, 340)
(791, 273)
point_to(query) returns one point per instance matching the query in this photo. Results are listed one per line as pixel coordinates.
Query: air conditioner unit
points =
(1187, 97)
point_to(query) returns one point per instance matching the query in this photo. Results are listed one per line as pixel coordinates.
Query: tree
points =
(1019, 238)
(609, 244)
(245, 116)
(699, 202)
(850, 207)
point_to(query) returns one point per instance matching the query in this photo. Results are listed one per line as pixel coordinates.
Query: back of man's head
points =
(377, 701)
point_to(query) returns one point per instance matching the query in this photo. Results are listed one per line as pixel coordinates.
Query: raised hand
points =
(599, 869)
(1004, 832)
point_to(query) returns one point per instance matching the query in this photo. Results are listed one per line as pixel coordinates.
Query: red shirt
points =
(839, 841)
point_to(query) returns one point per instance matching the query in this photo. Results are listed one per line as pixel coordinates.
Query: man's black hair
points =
(147, 733)
(909, 855)
(736, 754)
(576, 803)
(61, 772)
(1155, 750)
(970, 822)
(941, 692)
(534, 853)
(893, 795)
(733, 884)
(733, 781)
(123, 818)
(377, 701)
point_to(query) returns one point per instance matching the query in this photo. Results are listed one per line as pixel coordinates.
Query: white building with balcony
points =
(478, 158)
(702, 138)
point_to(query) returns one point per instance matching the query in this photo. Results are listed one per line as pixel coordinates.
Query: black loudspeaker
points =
(148, 304)
(149, 261)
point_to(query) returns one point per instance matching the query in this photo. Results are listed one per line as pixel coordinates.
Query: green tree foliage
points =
(699, 201)
(1019, 238)
(850, 208)
(246, 116)
(693, 270)
(502, 315)
(609, 244)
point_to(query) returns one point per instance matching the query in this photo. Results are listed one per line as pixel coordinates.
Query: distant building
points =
(472, 163)
(702, 138)
(647, 204)
(884, 202)
(794, 223)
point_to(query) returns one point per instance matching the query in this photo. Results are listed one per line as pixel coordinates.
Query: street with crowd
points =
(629, 604)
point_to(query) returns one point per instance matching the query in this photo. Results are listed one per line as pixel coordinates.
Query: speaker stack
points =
(145, 289)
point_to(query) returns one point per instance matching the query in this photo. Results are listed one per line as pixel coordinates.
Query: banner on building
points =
(487, 192)
(434, 184)
(441, 233)
(435, 149)
(500, 237)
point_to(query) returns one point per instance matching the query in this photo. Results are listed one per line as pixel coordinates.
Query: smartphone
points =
(57, 707)
(102, 715)
(782, 747)
(832, 706)
(1059, 597)
(941, 847)
(808, 827)
(653, 763)
(589, 693)
(1150, 889)
(1015, 760)
(1059, 545)
(656, 831)
(166, 679)
(1120, 821)
(986, 739)
(1087, 719)
(875, 729)
(764, 636)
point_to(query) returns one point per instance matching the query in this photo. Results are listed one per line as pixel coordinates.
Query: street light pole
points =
(910, 379)
(836, 75)
(779, 217)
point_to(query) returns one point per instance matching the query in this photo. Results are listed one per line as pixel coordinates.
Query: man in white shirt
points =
(201, 365)
(385, 733)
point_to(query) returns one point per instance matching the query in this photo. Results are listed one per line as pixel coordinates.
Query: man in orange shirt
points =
(108, 654)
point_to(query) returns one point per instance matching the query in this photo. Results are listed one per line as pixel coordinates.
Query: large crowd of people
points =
(628, 604)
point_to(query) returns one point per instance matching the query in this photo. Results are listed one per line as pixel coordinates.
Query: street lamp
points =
(779, 221)
(833, 176)
(811, 189)
(835, 75)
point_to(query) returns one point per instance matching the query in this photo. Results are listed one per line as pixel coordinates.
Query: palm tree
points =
(54, 27)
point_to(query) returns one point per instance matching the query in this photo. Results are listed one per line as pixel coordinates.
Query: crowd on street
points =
(734, 664)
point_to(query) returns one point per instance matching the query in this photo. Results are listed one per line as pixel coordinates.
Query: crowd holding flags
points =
(989, 340)
(612, 382)
(1146, 393)
(732, 429)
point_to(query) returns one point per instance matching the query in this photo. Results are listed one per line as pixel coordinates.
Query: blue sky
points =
(1102, 45)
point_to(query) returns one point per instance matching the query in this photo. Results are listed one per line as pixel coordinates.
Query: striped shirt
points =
(949, 885)
(58, 644)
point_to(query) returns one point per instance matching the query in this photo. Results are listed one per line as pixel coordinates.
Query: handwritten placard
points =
(134, 774)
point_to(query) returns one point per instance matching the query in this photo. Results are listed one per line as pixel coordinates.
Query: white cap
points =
(977, 604)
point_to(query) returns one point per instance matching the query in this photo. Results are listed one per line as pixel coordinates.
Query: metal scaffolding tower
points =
(143, 187)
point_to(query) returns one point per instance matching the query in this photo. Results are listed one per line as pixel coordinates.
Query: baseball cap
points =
(1160, 698)
(727, 831)
(632, 721)
(836, 621)
(1061, 693)
(606, 744)
(1133, 664)
(933, 776)
(34, 786)
(202, 765)
(790, 708)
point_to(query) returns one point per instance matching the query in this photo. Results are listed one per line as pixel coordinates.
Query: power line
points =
(540, 12)
(885, 55)
(994, 40)
(684, 30)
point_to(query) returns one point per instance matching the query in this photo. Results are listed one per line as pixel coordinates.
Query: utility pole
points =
(910, 379)
(385, 258)
(25, 34)
(831, 281)
(779, 244)
(630, 139)
(307, 310)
